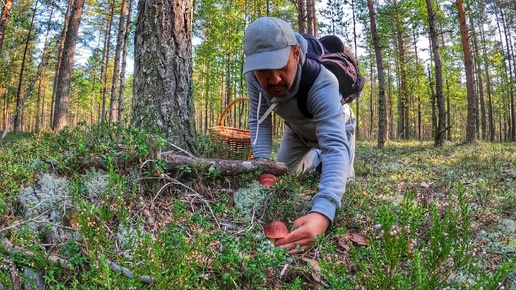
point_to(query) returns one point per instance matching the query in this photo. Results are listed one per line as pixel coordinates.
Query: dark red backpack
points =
(333, 55)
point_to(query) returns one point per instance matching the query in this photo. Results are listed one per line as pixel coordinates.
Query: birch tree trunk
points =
(163, 100)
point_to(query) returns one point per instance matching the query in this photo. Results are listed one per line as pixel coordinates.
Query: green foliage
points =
(431, 219)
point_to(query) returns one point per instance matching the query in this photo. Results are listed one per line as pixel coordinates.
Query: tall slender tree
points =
(106, 56)
(65, 72)
(382, 108)
(59, 59)
(440, 132)
(19, 91)
(485, 60)
(6, 12)
(403, 108)
(121, 93)
(113, 104)
(471, 133)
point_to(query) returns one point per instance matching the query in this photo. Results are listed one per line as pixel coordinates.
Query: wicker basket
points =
(238, 139)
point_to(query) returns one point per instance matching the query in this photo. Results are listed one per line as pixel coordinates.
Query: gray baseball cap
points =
(267, 44)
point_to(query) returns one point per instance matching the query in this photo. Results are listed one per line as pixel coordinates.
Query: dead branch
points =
(62, 263)
(225, 167)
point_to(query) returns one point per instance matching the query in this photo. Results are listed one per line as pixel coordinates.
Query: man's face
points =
(277, 81)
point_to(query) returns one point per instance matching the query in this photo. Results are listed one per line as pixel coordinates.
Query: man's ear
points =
(297, 53)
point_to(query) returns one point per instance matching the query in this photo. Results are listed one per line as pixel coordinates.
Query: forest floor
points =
(94, 208)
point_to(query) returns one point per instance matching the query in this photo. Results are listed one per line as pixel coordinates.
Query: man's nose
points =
(274, 77)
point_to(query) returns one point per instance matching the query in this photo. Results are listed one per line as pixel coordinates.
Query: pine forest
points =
(447, 69)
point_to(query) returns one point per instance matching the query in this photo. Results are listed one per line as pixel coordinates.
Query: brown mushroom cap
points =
(275, 230)
(267, 179)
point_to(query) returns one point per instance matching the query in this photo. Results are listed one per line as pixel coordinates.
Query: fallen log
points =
(224, 166)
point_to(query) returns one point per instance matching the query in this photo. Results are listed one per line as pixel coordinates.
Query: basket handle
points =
(221, 119)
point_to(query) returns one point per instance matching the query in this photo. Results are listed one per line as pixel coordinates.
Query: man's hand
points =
(306, 230)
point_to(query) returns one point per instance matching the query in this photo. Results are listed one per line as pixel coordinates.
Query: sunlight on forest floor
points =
(94, 210)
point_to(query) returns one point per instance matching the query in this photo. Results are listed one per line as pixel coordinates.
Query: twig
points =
(57, 261)
(145, 279)
(196, 194)
(60, 262)
(23, 222)
(181, 149)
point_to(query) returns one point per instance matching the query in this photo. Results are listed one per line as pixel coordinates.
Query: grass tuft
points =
(415, 216)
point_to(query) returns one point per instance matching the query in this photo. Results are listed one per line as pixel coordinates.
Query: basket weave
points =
(238, 139)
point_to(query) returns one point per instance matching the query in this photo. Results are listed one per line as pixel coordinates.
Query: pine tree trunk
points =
(480, 83)
(19, 91)
(382, 114)
(301, 17)
(59, 60)
(163, 97)
(403, 125)
(105, 62)
(471, 133)
(121, 98)
(490, 118)
(357, 100)
(65, 71)
(113, 104)
(6, 12)
(440, 132)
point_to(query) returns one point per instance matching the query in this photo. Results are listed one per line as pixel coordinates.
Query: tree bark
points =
(382, 115)
(105, 61)
(357, 100)
(121, 98)
(440, 130)
(40, 103)
(224, 167)
(301, 18)
(65, 71)
(113, 104)
(485, 59)
(480, 84)
(19, 93)
(59, 61)
(163, 89)
(403, 111)
(471, 121)
(6, 12)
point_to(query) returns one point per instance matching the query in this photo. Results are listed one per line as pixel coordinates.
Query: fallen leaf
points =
(358, 239)
(343, 243)
(316, 274)
(425, 184)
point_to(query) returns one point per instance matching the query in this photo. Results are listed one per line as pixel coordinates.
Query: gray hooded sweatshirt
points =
(325, 131)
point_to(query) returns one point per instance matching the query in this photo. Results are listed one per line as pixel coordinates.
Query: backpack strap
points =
(309, 72)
